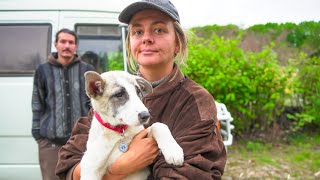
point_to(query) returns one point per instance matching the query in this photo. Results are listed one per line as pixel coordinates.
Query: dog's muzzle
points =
(144, 117)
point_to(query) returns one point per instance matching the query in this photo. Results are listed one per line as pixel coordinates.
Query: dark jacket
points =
(191, 115)
(58, 98)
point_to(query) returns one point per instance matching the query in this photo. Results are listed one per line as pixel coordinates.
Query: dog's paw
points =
(173, 154)
(170, 149)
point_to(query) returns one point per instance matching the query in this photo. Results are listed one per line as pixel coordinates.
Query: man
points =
(58, 99)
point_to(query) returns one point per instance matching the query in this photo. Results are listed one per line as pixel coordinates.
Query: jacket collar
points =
(53, 59)
(173, 80)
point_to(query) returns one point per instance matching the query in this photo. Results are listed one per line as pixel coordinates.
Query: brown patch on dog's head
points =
(94, 84)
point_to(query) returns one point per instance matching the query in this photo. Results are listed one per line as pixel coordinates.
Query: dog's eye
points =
(119, 94)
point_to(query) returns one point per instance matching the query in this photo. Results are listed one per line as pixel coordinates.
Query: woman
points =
(157, 46)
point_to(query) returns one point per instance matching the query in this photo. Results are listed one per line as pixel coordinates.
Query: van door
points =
(25, 42)
(100, 38)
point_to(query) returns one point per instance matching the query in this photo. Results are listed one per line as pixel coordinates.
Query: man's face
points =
(66, 46)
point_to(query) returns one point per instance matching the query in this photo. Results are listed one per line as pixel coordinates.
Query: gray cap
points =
(164, 6)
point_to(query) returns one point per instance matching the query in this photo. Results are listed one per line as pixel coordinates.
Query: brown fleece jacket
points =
(190, 113)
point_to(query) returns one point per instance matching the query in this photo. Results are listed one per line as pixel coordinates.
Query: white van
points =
(27, 30)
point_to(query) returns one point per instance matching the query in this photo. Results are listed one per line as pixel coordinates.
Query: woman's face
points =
(152, 39)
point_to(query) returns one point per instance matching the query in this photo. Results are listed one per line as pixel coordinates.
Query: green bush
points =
(111, 61)
(250, 84)
(254, 86)
(307, 90)
(228, 31)
(115, 61)
(305, 33)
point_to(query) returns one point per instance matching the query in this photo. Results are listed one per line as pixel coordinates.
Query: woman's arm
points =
(141, 153)
(193, 123)
(71, 153)
(205, 154)
(110, 176)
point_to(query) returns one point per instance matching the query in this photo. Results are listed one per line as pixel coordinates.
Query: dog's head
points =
(116, 96)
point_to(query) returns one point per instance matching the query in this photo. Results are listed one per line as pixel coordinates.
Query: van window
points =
(101, 46)
(23, 47)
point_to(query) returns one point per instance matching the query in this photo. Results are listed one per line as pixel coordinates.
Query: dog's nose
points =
(144, 116)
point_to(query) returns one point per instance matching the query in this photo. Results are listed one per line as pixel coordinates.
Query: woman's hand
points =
(142, 152)
(76, 172)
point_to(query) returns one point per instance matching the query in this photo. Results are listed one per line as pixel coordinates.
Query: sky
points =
(245, 13)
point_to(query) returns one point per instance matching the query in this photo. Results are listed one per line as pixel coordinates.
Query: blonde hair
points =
(180, 58)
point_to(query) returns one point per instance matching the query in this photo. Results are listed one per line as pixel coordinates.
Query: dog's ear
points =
(144, 85)
(94, 84)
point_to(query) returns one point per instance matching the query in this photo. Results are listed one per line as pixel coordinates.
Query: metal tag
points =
(123, 147)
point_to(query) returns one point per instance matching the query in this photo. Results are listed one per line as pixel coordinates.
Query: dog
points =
(119, 114)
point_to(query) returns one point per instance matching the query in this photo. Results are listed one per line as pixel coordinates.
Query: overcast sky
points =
(246, 13)
(243, 13)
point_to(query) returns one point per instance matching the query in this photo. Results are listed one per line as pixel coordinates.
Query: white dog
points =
(119, 116)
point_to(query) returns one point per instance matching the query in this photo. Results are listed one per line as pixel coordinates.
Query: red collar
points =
(119, 128)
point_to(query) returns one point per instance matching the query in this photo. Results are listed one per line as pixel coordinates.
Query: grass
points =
(297, 158)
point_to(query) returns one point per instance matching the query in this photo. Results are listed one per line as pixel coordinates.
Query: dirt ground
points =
(238, 167)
